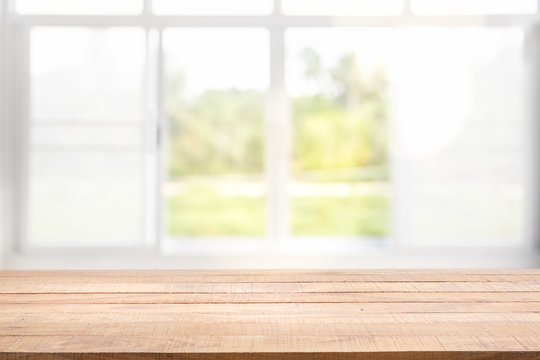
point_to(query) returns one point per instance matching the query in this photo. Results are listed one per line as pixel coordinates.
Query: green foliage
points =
(343, 129)
(339, 135)
(346, 216)
(201, 211)
(326, 136)
(355, 84)
(313, 66)
(219, 132)
(189, 214)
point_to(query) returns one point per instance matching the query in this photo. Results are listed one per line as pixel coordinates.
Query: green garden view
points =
(339, 157)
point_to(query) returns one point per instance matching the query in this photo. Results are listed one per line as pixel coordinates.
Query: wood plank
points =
(13, 286)
(261, 344)
(283, 308)
(274, 312)
(263, 298)
(252, 276)
(305, 327)
(284, 314)
(411, 355)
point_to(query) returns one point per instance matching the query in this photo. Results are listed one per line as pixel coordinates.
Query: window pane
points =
(342, 7)
(474, 6)
(85, 136)
(85, 198)
(337, 82)
(213, 7)
(458, 141)
(87, 74)
(461, 126)
(216, 84)
(79, 7)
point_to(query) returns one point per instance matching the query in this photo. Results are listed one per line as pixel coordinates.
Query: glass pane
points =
(86, 73)
(213, 7)
(337, 82)
(79, 7)
(86, 140)
(458, 121)
(69, 137)
(85, 198)
(216, 84)
(474, 6)
(461, 125)
(342, 7)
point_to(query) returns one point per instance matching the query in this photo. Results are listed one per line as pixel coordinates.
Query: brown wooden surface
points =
(270, 315)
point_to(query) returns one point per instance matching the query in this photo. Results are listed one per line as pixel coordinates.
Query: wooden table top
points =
(270, 315)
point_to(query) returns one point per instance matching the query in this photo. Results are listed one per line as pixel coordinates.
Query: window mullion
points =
(147, 8)
(532, 175)
(277, 153)
(150, 130)
(162, 133)
(407, 8)
(20, 128)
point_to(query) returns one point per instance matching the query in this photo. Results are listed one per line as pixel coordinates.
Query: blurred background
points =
(269, 133)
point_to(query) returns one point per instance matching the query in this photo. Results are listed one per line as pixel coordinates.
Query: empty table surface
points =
(282, 314)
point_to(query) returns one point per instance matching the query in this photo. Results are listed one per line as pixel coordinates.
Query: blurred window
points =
(338, 90)
(457, 115)
(339, 122)
(216, 81)
(461, 135)
(85, 146)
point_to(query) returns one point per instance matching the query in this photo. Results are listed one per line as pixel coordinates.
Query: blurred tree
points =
(356, 84)
(313, 67)
(344, 130)
(348, 80)
(221, 131)
(339, 126)
(217, 132)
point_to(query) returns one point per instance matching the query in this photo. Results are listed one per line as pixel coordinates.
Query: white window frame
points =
(278, 248)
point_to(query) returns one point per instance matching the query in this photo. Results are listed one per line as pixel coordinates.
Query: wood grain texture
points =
(270, 315)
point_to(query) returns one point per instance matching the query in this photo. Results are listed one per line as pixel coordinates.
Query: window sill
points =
(382, 257)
